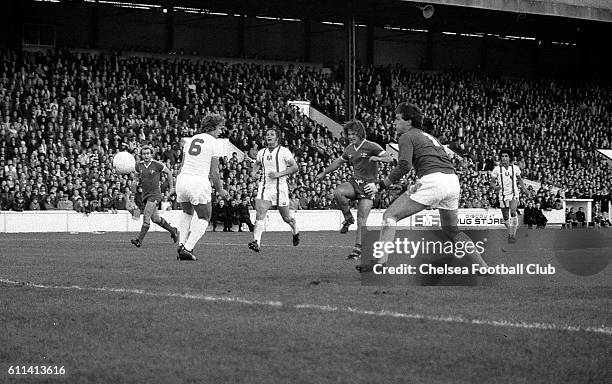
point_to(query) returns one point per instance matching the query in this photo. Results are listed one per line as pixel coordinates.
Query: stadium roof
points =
(556, 19)
(595, 10)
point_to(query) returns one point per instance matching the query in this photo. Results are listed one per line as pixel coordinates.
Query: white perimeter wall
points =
(325, 220)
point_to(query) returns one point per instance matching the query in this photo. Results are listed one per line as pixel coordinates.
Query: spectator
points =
(120, 202)
(540, 218)
(65, 204)
(19, 203)
(221, 213)
(244, 215)
(47, 204)
(581, 217)
(570, 218)
(107, 205)
(294, 201)
(303, 200)
(35, 205)
(530, 215)
(233, 209)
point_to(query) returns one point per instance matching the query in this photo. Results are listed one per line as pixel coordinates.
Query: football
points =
(124, 162)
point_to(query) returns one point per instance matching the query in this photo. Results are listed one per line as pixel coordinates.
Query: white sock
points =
(259, 228)
(293, 225)
(198, 228)
(515, 223)
(183, 225)
(387, 234)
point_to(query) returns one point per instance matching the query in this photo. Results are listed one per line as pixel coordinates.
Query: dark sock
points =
(165, 225)
(143, 231)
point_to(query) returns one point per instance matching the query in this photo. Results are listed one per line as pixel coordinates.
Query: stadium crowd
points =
(64, 114)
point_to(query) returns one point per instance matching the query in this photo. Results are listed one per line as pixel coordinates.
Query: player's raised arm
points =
(382, 157)
(256, 168)
(494, 177)
(135, 178)
(404, 164)
(402, 168)
(216, 178)
(170, 177)
(520, 182)
(332, 167)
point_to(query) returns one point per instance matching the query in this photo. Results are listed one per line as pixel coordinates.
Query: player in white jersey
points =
(276, 163)
(193, 190)
(506, 179)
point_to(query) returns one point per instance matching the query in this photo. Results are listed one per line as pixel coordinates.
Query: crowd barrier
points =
(323, 220)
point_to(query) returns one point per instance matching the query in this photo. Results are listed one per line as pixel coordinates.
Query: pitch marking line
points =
(329, 308)
(125, 241)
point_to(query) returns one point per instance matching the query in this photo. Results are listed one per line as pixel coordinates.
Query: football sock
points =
(183, 226)
(361, 223)
(515, 223)
(198, 229)
(259, 227)
(347, 214)
(164, 224)
(143, 231)
(293, 224)
(387, 234)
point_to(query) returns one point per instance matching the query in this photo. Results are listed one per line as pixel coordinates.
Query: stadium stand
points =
(65, 113)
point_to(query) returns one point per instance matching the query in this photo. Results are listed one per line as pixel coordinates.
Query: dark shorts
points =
(151, 197)
(358, 187)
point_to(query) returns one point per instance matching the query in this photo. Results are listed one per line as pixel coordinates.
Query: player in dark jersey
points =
(437, 184)
(149, 172)
(364, 155)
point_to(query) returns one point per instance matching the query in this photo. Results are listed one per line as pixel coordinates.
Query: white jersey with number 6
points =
(197, 153)
(193, 183)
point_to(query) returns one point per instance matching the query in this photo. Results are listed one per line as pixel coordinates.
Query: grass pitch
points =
(112, 313)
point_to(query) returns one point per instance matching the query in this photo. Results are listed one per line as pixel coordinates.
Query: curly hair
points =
(411, 112)
(507, 151)
(357, 127)
(211, 122)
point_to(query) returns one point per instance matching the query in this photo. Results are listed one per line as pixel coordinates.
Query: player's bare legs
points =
(343, 194)
(514, 223)
(184, 225)
(401, 208)
(191, 229)
(287, 218)
(448, 222)
(510, 218)
(363, 211)
(261, 208)
(157, 219)
(149, 211)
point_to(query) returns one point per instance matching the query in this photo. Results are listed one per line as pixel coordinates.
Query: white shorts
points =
(193, 189)
(505, 200)
(278, 196)
(437, 191)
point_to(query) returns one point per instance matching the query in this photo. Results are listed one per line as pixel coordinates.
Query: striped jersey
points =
(507, 180)
(276, 160)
